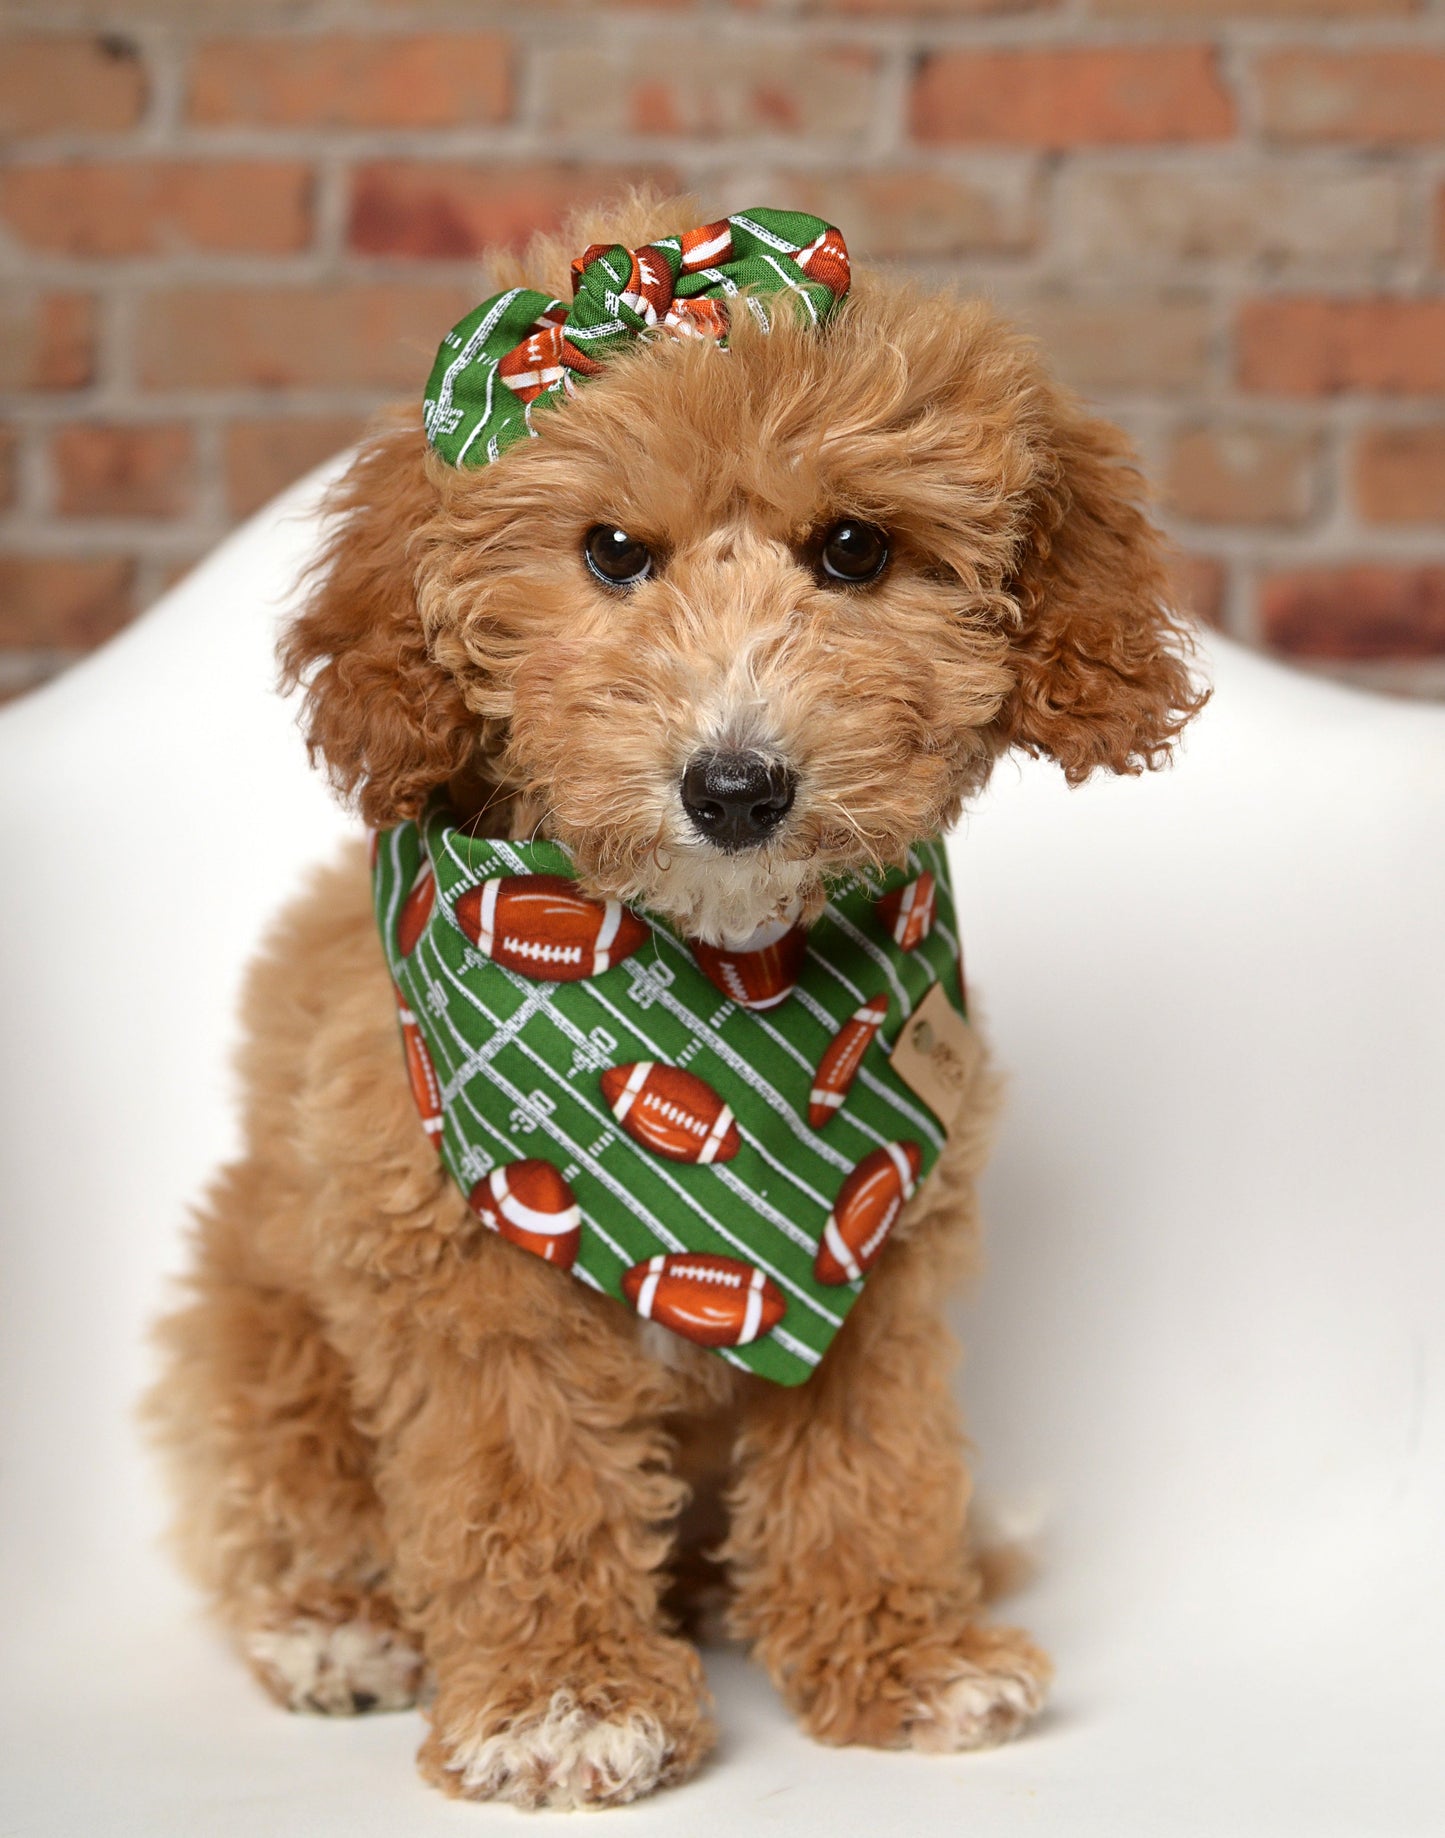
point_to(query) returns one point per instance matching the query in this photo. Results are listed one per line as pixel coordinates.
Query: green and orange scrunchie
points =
(522, 347)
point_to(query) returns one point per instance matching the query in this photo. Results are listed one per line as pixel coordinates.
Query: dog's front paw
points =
(968, 1688)
(336, 1668)
(577, 1745)
(997, 1689)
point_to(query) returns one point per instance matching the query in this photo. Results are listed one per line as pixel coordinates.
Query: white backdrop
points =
(1207, 1351)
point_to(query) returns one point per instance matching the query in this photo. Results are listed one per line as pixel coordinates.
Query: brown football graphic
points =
(540, 926)
(421, 1073)
(416, 908)
(906, 914)
(672, 1112)
(716, 1301)
(839, 1065)
(531, 1205)
(865, 1211)
(706, 246)
(826, 259)
(763, 971)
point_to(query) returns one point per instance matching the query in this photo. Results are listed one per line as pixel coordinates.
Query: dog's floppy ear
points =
(388, 721)
(1100, 654)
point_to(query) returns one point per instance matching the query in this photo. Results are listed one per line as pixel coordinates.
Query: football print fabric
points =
(522, 347)
(605, 1104)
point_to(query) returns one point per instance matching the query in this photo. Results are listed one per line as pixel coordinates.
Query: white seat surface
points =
(1207, 1351)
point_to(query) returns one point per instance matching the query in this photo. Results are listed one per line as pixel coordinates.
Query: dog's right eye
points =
(617, 559)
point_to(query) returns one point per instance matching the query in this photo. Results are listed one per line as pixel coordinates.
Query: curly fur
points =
(398, 1440)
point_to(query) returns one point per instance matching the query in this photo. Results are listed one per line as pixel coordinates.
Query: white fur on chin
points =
(720, 898)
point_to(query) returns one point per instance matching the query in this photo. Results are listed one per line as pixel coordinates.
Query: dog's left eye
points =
(617, 559)
(853, 552)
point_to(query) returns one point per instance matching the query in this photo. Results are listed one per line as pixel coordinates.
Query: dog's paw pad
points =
(981, 1705)
(336, 1669)
(565, 1758)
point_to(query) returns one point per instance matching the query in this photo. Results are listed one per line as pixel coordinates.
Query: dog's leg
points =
(530, 1504)
(847, 1547)
(279, 1520)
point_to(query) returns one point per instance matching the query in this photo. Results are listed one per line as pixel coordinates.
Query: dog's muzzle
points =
(736, 800)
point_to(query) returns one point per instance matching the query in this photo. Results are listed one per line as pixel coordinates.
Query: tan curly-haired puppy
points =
(414, 1460)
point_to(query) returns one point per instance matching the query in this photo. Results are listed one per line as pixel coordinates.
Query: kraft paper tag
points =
(935, 1055)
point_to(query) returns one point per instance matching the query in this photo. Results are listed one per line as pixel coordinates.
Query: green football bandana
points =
(718, 1138)
(522, 347)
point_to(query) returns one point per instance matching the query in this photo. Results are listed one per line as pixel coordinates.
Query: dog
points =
(737, 623)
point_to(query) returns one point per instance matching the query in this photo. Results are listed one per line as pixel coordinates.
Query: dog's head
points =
(737, 620)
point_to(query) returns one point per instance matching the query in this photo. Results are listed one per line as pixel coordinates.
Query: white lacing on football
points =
(733, 982)
(538, 953)
(673, 1113)
(707, 1273)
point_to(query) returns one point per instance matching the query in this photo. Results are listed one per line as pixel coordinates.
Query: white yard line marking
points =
(880, 957)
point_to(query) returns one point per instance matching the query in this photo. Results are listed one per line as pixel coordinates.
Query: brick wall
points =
(228, 231)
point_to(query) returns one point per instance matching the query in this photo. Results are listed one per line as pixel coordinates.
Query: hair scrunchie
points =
(522, 347)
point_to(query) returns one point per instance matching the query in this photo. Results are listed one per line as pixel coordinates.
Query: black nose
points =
(736, 799)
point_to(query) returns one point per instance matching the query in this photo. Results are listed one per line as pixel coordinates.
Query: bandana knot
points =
(522, 346)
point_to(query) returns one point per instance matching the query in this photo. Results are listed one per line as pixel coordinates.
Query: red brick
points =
(1399, 475)
(1243, 474)
(1380, 98)
(1253, 10)
(8, 454)
(1198, 582)
(421, 209)
(571, 6)
(1353, 613)
(913, 9)
(1303, 346)
(364, 334)
(88, 84)
(153, 207)
(47, 341)
(918, 213)
(1142, 215)
(114, 471)
(1075, 97)
(433, 81)
(706, 89)
(1121, 341)
(265, 455)
(63, 603)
